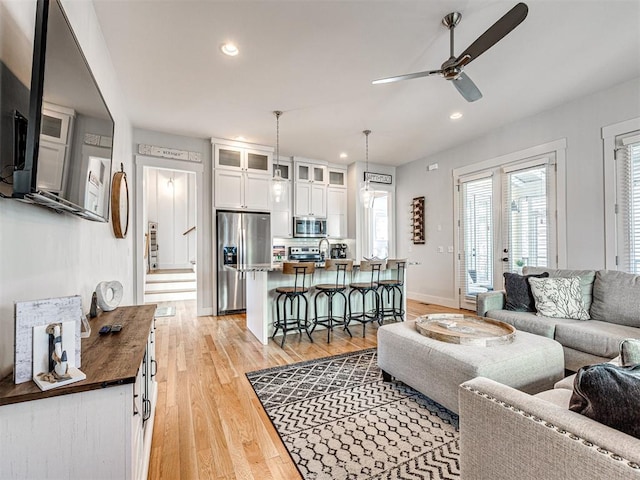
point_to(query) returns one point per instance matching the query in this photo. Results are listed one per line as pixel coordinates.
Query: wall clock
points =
(120, 203)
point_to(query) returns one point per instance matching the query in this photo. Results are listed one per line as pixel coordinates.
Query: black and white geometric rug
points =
(340, 420)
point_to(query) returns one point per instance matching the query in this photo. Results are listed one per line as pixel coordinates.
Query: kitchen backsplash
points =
(281, 246)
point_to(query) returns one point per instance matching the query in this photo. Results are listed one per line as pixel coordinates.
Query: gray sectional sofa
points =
(507, 434)
(612, 299)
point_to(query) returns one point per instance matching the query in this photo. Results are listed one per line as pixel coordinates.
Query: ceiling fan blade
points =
(496, 32)
(407, 76)
(467, 88)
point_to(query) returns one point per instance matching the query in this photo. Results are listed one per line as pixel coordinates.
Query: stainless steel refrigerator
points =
(244, 238)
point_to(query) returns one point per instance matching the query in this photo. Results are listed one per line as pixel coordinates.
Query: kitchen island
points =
(263, 279)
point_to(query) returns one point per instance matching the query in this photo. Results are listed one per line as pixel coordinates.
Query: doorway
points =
(170, 235)
(507, 219)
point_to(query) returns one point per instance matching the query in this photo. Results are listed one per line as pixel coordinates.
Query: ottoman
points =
(531, 363)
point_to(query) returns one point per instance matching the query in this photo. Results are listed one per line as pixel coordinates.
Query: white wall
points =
(579, 122)
(44, 254)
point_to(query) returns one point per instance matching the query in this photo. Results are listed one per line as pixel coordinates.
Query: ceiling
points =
(315, 61)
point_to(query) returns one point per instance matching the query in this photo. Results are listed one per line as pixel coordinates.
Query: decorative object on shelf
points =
(120, 203)
(383, 178)
(54, 356)
(93, 312)
(40, 313)
(109, 295)
(417, 220)
(366, 193)
(278, 184)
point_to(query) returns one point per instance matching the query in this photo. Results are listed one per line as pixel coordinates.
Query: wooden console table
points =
(98, 427)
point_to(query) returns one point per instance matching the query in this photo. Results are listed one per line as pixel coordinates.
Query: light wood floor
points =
(209, 424)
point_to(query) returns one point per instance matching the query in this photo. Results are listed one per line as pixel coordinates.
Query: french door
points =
(507, 220)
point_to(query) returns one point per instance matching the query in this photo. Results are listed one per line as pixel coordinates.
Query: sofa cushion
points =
(518, 291)
(630, 352)
(594, 337)
(616, 298)
(530, 322)
(558, 297)
(587, 278)
(558, 396)
(609, 395)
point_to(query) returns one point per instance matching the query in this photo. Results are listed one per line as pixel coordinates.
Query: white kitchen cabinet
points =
(99, 428)
(242, 176)
(310, 200)
(242, 190)
(311, 172)
(337, 176)
(310, 188)
(281, 223)
(236, 157)
(336, 212)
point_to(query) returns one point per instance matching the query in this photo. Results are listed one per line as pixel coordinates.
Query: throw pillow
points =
(630, 352)
(609, 395)
(558, 297)
(518, 291)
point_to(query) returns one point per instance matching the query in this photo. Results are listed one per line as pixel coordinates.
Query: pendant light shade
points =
(366, 193)
(279, 185)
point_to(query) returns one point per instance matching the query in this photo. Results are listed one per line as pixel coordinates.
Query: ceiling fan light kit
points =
(452, 68)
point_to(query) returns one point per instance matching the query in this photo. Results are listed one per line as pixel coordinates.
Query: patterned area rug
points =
(339, 420)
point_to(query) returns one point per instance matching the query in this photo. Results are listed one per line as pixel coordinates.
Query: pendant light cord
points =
(366, 133)
(277, 113)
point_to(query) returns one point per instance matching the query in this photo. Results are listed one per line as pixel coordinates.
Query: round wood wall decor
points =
(120, 204)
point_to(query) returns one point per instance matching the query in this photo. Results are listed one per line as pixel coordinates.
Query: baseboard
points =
(204, 311)
(445, 302)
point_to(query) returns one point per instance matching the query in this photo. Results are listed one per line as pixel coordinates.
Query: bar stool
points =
(294, 294)
(392, 287)
(365, 289)
(331, 290)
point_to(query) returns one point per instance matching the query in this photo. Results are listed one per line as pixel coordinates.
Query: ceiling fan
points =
(452, 68)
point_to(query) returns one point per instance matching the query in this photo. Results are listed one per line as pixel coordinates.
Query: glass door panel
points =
(526, 211)
(477, 228)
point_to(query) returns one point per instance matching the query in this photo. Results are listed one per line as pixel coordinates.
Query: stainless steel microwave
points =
(309, 227)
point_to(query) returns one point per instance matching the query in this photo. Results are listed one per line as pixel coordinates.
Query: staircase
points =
(170, 285)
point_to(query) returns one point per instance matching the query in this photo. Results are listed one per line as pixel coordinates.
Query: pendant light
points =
(366, 193)
(278, 184)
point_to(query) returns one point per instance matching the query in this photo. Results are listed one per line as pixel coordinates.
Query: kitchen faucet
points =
(324, 253)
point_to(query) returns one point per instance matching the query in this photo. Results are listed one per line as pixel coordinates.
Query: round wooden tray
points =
(466, 329)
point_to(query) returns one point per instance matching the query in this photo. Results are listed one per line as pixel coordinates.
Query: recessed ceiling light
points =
(229, 49)
(455, 116)
(343, 155)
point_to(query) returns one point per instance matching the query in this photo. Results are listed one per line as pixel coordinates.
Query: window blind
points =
(476, 229)
(628, 202)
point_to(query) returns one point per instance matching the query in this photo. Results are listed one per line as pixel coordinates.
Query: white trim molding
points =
(609, 134)
(142, 162)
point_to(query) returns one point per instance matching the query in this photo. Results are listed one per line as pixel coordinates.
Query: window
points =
(378, 220)
(621, 145)
(628, 202)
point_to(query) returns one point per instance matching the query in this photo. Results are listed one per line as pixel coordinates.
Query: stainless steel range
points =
(306, 254)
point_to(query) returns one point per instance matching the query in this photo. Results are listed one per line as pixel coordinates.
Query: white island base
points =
(261, 282)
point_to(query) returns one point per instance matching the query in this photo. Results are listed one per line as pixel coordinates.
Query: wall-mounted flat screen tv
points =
(62, 151)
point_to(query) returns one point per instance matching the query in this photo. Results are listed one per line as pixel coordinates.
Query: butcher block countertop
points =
(107, 360)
